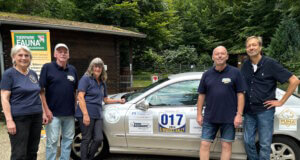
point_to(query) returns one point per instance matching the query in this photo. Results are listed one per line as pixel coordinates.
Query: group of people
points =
(29, 101)
(231, 93)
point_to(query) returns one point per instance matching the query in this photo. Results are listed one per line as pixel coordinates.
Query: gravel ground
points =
(5, 145)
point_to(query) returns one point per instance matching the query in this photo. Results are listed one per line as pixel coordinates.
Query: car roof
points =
(186, 74)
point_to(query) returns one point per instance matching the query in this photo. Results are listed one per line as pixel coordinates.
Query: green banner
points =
(35, 41)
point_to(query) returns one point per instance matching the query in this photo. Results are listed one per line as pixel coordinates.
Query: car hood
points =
(117, 96)
(114, 96)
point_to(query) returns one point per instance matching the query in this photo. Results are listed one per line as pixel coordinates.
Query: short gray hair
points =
(97, 62)
(16, 49)
(220, 47)
(258, 38)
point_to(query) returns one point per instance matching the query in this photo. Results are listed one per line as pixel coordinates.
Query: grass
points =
(141, 83)
(143, 79)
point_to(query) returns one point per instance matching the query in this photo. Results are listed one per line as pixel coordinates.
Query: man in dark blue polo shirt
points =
(222, 88)
(59, 81)
(262, 74)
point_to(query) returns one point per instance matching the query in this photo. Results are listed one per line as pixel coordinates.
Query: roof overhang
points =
(32, 21)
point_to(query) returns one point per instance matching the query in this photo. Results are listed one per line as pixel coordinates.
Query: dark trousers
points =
(92, 138)
(25, 143)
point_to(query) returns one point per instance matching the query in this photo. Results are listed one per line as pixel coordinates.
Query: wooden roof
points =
(26, 20)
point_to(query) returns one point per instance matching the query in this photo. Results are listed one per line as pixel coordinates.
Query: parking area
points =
(5, 145)
(5, 150)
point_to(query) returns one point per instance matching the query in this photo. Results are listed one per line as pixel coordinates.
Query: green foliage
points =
(285, 44)
(125, 14)
(173, 26)
(183, 55)
(261, 19)
(61, 9)
(205, 60)
(149, 60)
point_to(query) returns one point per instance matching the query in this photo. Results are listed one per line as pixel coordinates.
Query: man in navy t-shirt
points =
(59, 81)
(222, 88)
(262, 74)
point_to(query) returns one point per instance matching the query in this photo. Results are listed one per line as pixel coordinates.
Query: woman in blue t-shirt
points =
(91, 94)
(20, 98)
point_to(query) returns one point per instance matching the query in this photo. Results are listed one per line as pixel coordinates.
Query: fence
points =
(142, 76)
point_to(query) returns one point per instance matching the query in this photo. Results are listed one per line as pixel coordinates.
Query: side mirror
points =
(143, 105)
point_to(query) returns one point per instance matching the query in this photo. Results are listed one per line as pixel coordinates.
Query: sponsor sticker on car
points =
(195, 128)
(287, 120)
(140, 122)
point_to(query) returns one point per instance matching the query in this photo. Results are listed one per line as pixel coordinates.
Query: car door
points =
(170, 120)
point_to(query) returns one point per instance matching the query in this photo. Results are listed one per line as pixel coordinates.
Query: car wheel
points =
(75, 148)
(284, 148)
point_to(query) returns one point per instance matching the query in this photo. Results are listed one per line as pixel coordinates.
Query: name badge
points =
(226, 80)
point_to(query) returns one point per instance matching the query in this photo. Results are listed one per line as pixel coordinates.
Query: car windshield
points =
(132, 95)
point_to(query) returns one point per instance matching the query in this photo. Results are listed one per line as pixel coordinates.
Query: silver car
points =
(161, 120)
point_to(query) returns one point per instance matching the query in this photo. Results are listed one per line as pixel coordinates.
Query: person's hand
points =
(49, 115)
(272, 103)
(122, 101)
(238, 120)
(11, 127)
(86, 120)
(200, 120)
(45, 119)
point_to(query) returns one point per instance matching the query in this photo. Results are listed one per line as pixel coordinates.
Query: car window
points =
(176, 94)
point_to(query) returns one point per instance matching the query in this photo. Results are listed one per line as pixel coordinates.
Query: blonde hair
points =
(97, 62)
(258, 38)
(16, 49)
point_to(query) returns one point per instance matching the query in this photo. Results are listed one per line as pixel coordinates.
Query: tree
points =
(285, 44)
(262, 18)
(61, 9)
(183, 55)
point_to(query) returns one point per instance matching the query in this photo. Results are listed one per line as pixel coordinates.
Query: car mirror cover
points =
(143, 105)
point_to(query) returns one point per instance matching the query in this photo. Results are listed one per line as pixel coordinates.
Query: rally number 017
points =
(165, 119)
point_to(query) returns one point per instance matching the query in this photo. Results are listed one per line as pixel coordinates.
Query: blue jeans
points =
(263, 123)
(67, 126)
(209, 131)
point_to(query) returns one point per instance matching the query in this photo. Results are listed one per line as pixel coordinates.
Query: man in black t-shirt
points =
(222, 88)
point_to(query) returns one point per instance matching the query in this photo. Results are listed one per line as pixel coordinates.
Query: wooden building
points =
(85, 41)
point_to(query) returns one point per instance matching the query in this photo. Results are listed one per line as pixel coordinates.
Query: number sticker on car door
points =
(172, 122)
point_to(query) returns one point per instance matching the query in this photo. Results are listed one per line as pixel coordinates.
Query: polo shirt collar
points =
(224, 70)
(259, 64)
(261, 61)
(93, 78)
(59, 67)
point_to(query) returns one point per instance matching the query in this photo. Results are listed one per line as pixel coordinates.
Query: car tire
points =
(284, 147)
(75, 148)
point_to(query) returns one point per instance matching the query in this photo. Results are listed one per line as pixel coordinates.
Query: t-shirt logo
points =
(32, 78)
(226, 80)
(70, 78)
